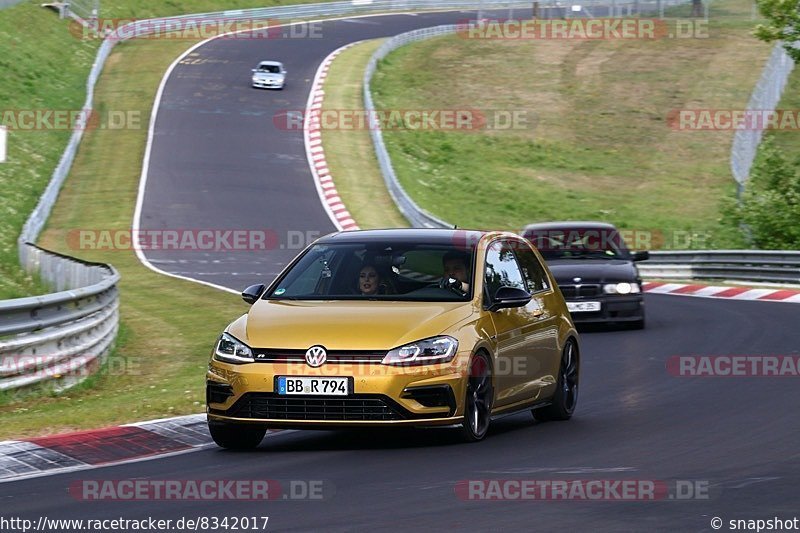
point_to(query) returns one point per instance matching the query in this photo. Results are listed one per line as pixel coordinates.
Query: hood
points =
(349, 325)
(593, 270)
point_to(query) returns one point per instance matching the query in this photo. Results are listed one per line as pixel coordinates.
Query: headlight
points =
(231, 350)
(427, 351)
(621, 288)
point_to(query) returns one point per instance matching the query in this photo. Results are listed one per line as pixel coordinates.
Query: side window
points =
(501, 268)
(535, 277)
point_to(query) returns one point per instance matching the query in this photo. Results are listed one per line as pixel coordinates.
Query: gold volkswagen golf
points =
(417, 327)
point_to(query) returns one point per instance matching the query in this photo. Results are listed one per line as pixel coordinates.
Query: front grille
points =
(269, 355)
(277, 407)
(580, 291)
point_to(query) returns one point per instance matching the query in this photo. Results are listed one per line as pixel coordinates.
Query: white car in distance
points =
(269, 75)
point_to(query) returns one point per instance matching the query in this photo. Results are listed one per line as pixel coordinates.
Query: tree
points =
(697, 8)
(770, 208)
(783, 24)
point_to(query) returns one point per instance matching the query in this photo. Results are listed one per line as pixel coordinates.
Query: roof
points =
(419, 235)
(271, 63)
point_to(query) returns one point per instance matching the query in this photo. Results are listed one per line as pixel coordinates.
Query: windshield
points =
(594, 243)
(272, 69)
(400, 272)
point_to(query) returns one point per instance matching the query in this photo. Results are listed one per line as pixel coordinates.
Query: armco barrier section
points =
(740, 265)
(59, 338)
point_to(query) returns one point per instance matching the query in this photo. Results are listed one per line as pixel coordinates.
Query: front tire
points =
(566, 396)
(236, 436)
(479, 400)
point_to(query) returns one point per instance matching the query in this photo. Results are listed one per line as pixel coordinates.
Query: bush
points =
(769, 212)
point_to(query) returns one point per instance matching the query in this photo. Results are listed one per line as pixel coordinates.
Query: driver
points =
(455, 266)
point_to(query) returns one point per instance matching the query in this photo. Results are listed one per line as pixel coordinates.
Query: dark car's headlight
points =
(229, 349)
(427, 351)
(621, 288)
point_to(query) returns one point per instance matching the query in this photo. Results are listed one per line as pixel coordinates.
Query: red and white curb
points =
(85, 450)
(326, 188)
(731, 293)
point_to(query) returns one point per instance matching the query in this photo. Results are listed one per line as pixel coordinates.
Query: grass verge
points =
(599, 147)
(349, 152)
(44, 67)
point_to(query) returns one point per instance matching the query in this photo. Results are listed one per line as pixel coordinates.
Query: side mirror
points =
(253, 69)
(506, 297)
(640, 256)
(252, 293)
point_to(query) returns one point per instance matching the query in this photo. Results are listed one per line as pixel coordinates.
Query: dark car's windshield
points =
(587, 243)
(366, 271)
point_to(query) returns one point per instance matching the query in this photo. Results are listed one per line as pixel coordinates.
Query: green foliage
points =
(770, 208)
(783, 24)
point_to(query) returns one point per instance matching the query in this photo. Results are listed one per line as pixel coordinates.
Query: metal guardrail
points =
(739, 265)
(63, 336)
(9, 3)
(417, 216)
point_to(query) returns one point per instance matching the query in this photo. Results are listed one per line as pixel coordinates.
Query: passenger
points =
(371, 281)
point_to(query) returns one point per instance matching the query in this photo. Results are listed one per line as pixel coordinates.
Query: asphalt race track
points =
(218, 162)
(634, 421)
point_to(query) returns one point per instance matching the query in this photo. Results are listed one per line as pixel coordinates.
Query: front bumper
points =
(268, 85)
(613, 308)
(380, 395)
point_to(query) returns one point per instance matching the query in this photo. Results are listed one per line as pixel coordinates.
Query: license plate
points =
(289, 385)
(583, 307)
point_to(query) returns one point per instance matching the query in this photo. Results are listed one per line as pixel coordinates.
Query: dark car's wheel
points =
(236, 436)
(480, 395)
(566, 396)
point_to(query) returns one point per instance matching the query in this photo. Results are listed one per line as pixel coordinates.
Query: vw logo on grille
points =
(576, 280)
(316, 356)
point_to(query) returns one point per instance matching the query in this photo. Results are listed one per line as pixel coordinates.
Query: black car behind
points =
(594, 269)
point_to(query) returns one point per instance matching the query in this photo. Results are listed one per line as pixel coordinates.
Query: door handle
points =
(538, 312)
